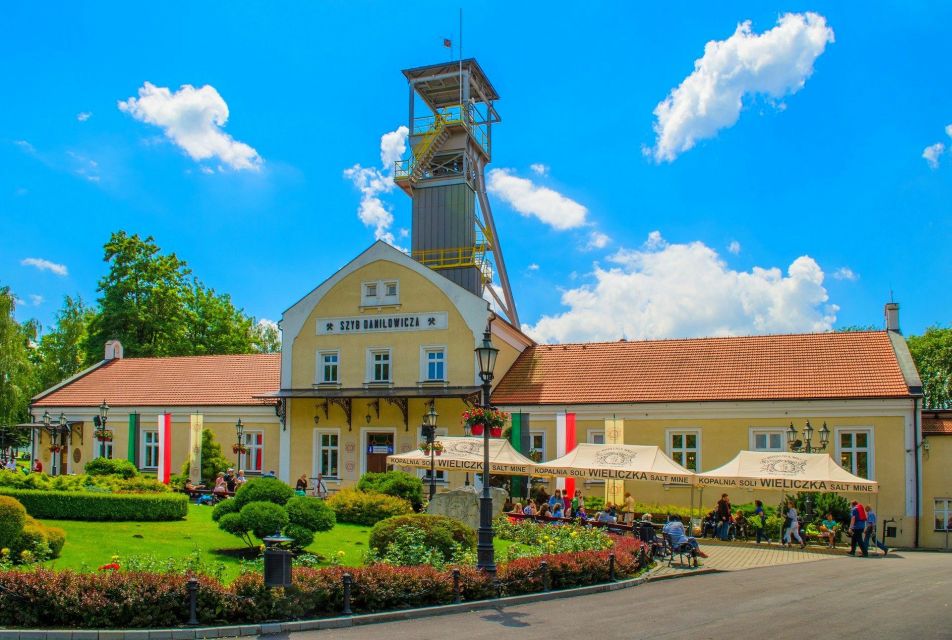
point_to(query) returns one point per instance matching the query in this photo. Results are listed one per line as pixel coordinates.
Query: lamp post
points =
(239, 441)
(429, 432)
(806, 446)
(54, 429)
(467, 432)
(485, 556)
(100, 422)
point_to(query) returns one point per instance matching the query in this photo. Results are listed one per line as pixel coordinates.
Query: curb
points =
(274, 628)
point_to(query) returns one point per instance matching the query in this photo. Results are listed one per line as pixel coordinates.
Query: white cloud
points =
(597, 240)
(533, 267)
(681, 290)
(192, 118)
(25, 146)
(845, 273)
(35, 299)
(46, 265)
(775, 63)
(530, 199)
(83, 116)
(373, 182)
(539, 169)
(932, 153)
(84, 167)
(734, 247)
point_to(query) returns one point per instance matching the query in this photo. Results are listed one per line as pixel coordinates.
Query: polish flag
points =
(165, 447)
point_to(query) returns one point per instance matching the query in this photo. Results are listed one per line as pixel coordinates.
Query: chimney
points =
(113, 350)
(892, 317)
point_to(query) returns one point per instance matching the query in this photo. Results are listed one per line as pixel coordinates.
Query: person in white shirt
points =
(793, 529)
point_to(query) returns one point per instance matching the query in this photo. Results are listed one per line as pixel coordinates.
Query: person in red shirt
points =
(37, 466)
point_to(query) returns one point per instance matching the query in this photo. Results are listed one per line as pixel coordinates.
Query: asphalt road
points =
(900, 596)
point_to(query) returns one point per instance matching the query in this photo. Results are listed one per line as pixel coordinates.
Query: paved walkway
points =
(734, 557)
(905, 595)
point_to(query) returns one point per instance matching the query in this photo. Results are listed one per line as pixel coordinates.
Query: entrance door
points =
(379, 446)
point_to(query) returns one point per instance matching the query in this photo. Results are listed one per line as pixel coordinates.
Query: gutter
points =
(916, 454)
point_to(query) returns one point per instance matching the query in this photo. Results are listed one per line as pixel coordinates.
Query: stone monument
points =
(463, 504)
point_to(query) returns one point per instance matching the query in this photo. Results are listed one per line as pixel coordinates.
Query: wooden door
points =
(379, 446)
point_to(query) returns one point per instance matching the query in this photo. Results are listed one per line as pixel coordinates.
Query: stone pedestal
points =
(463, 504)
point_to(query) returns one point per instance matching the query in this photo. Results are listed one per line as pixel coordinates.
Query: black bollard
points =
(457, 596)
(192, 587)
(545, 574)
(611, 566)
(348, 581)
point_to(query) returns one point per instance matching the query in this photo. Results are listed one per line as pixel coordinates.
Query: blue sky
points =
(821, 178)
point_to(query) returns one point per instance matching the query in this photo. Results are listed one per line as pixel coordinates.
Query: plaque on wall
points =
(349, 447)
(77, 454)
(349, 466)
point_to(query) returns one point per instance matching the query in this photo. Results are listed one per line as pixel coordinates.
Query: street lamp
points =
(485, 557)
(100, 422)
(806, 446)
(467, 432)
(429, 432)
(239, 441)
(61, 426)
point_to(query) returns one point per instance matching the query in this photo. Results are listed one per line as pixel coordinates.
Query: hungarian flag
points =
(447, 43)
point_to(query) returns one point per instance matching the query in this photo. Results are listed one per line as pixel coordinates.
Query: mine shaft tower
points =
(450, 146)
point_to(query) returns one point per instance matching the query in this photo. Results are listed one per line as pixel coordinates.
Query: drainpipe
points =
(916, 453)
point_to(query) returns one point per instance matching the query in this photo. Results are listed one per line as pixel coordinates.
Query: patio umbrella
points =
(466, 454)
(616, 462)
(785, 472)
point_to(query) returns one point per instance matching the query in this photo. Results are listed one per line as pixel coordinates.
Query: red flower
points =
(112, 566)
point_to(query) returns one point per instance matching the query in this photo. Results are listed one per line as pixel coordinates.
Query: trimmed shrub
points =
(78, 505)
(12, 519)
(224, 507)
(233, 524)
(300, 535)
(111, 467)
(310, 513)
(115, 484)
(443, 533)
(263, 518)
(263, 490)
(366, 507)
(395, 483)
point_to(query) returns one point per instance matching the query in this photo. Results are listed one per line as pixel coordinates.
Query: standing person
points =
(230, 479)
(240, 479)
(870, 533)
(628, 509)
(723, 514)
(857, 527)
(320, 489)
(573, 505)
(759, 521)
(556, 498)
(37, 466)
(300, 487)
(793, 530)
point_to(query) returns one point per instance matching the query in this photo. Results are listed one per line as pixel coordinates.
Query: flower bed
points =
(119, 599)
(80, 505)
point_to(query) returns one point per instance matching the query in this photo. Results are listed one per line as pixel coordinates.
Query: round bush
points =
(310, 513)
(263, 490)
(394, 483)
(56, 538)
(224, 507)
(263, 518)
(300, 535)
(12, 518)
(442, 533)
(111, 467)
(233, 524)
(366, 507)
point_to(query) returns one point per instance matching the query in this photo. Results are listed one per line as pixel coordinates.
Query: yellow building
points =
(936, 450)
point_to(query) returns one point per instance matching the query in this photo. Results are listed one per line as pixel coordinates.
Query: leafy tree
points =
(213, 460)
(62, 351)
(932, 352)
(266, 337)
(17, 377)
(142, 299)
(213, 325)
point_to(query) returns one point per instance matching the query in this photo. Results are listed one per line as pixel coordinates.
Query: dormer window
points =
(391, 288)
(370, 290)
(382, 293)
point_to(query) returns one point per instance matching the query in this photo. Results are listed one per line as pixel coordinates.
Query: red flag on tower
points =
(447, 43)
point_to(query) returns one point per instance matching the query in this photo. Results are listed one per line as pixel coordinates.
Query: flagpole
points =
(461, 63)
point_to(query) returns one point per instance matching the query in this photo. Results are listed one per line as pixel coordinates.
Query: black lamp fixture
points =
(485, 555)
(55, 429)
(100, 423)
(429, 432)
(806, 444)
(375, 404)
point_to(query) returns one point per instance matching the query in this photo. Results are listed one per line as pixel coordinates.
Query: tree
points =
(62, 351)
(932, 353)
(213, 325)
(17, 377)
(142, 299)
(267, 337)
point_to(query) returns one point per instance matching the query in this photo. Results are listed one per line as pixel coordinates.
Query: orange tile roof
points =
(774, 367)
(167, 382)
(937, 423)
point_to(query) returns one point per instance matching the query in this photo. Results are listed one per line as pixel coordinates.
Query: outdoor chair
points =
(648, 537)
(679, 550)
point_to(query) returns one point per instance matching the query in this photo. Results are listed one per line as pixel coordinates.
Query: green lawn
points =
(90, 545)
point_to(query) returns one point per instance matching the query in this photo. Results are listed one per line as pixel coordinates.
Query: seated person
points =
(828, 529)
(740, 525)
(675, 529)
(606, 516)
(191, 487)
(580, 515)
(557, 510)
(709, 524)
(221, 488)
(543, 510)
(530, 509)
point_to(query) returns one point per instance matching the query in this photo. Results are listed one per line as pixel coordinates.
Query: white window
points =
(854, 449)
(537, 444)
(328, 367)
(596, 436)
(684, 447)
(391, 289)
(434, 364)
(425, 473)
(380, 293)
(943, 514)
(379, 365)
(767, 439)
(253, 459)
(370, 290)
(150, 450)
(105, 449)
(328, 453)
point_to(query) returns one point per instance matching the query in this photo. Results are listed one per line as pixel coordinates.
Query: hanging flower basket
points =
(479, 419)
(55, 448)
(239, 448)
(437, 448)
(104, 436)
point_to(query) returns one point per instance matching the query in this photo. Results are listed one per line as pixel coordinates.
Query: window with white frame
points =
(390, 289)
(425, 473)
(767, 439)
(684, 447)
(328, 367)
(150, 449)
(328, 453)
(596, 436)
(105, 449)
(252, 460)
(379, 365)
(370, 291)
(537, 444)
(380, 293)
(943, 514)
(854, 448)
(434, 364)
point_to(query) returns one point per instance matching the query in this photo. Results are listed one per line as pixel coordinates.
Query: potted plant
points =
(437, 447)
(480, 419)
(239, 449)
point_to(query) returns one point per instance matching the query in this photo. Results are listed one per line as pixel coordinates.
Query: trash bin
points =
(277, 562)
